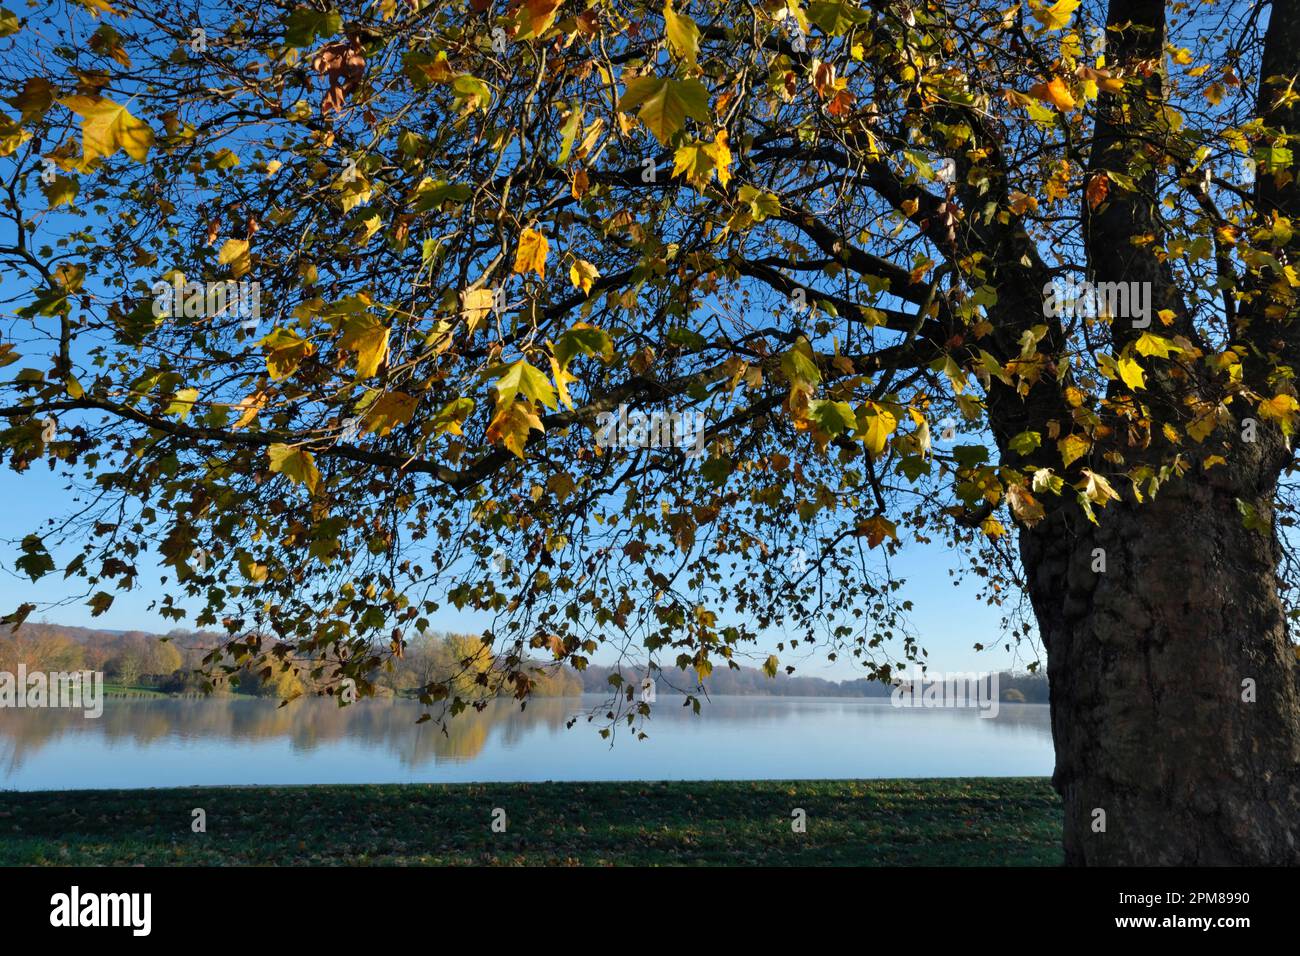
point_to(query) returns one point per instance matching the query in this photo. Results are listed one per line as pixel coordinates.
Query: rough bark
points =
(1149, 661)
(1175, 709)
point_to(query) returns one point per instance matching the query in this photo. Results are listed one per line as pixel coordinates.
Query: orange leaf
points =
(1055, 92)
(1097, 190)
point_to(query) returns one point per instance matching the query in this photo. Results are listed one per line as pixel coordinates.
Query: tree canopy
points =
(321, 306)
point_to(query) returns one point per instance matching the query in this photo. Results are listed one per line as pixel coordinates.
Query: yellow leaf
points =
(475, 304)
(1096, 489)
(183, 403)
(368, 337)
(511, 425)
(285, 352)
(562, 379)
(1202, 427)
(295, 464)
(531, 254)
(1130, 372)
(234, 253)
(875, 424)
(582, 274)
(683, 35)
(249, 408)
(521, 377)
(1280, 408)
(1057, 15)
(1072, 447)
(107, 127)
(389, 411)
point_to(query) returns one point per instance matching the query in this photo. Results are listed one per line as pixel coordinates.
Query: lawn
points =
(953, 822)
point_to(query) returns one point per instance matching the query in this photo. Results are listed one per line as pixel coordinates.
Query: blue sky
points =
(949, 620)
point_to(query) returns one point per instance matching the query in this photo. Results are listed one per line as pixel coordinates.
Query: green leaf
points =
(304, 24)
(800, 365)
(664, 104)
(833, 418)
(837, 16)
(533, 383)
(585, 339)
(36, 561)
(1025, 442)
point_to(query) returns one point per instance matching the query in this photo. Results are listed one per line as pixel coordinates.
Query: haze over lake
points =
(180, 742)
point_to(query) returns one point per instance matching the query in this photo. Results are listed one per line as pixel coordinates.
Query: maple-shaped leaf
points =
(876, 529)
(520, 377)
(531, 254)
(296, 464)
(182, 403)
(304, 24)
(511, 425)
(582, 274)
(663, 104)
(368, 337)
(36, 97)
(285, 350)
(452, 416)
(535, 17)
(107, 127)
(585, 339)
(1072, 447)
(683, 35)
(389, 411)
(1057, 16)
(875, 423)
(100, 602)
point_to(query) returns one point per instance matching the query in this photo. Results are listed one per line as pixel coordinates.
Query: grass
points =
(952, 822)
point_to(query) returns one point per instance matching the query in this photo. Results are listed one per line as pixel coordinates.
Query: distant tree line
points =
(745, 681)
(170, 663)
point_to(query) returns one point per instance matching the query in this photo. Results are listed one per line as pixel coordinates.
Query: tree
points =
(353, 313)
(126, 666)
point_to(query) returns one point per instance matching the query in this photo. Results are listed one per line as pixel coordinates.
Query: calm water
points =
(166, 743)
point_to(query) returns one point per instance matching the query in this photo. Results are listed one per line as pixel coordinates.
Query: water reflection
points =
(173, 742)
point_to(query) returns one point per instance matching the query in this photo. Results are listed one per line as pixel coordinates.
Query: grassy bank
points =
(971, 821)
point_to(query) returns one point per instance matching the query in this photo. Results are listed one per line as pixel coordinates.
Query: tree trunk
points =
(1152, 663)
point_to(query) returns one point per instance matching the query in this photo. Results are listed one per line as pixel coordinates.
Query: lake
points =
(180, 742)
